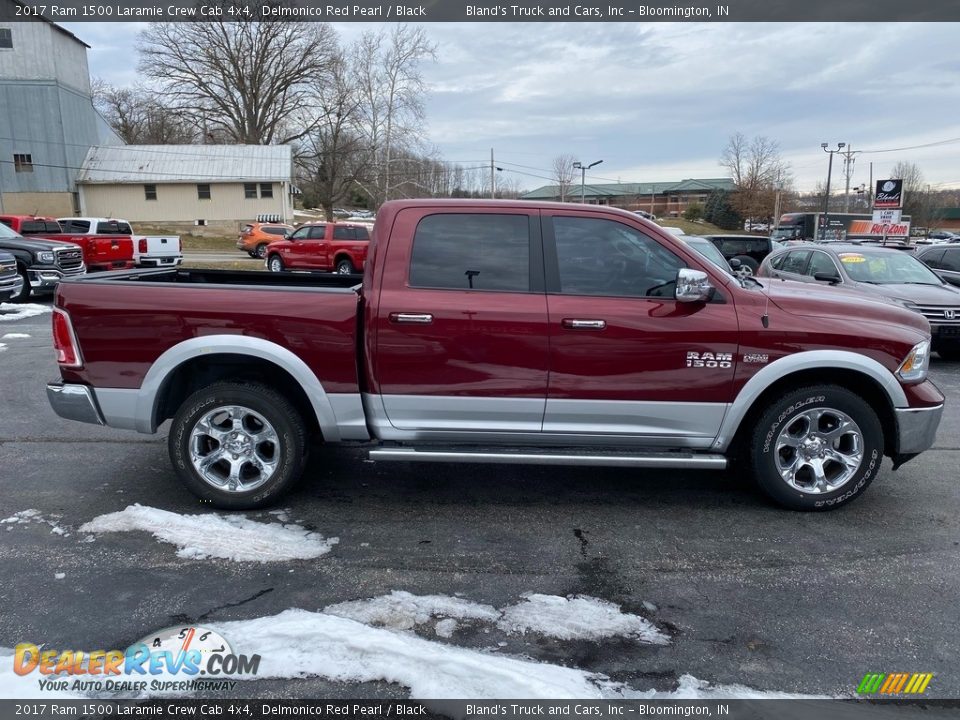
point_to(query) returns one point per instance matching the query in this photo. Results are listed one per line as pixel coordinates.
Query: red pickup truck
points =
(100, 252)
(340, 247)
(502, 332)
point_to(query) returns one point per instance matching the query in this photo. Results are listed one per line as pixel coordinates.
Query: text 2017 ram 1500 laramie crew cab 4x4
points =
(502, 332)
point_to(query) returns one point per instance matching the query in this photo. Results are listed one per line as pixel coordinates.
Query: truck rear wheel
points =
(344, 267)
(817, 448)
(238, 445)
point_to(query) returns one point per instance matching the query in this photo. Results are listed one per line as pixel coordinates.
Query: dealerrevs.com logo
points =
(174, 659)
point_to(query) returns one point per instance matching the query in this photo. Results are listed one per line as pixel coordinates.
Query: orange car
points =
(254, 237)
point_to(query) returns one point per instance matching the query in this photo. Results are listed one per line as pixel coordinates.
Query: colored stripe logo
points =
(894, 683)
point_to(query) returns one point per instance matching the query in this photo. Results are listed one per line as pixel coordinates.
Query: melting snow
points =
(3, 346)
(577, 618)
(231, 537)
(401, 610)
(26, 517)
(14, 336)
(13, 311)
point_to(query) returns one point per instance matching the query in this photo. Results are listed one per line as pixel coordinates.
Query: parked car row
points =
(339, 247)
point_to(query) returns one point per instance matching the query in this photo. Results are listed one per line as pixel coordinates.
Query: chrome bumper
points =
(44, 279)
(916, 428)
(74, 402)
(11, 288)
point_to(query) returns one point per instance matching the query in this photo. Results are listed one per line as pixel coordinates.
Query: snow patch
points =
(299, 643)
(230, 537)
(577, 618)
(401, 610)
(3, 346)
(14, 311)
(26, 517)
(26, 687)
(59, 576)
(690, 688)
(14, 336)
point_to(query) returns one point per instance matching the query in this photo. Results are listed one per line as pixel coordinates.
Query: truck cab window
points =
(472, 252)
(604, 257)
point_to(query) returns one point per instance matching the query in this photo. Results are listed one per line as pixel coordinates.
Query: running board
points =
(700, 461)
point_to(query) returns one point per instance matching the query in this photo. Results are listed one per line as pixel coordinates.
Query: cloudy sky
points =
(658, 101)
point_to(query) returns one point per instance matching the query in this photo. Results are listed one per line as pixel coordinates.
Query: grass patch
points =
(693, 228)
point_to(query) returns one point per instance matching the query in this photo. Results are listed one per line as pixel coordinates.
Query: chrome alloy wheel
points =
(234, 448)
(819, 450)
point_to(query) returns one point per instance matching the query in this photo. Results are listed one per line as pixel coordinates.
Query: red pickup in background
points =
(100, 252)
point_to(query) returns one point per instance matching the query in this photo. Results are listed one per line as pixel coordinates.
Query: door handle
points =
(411, 318)
(578, 324)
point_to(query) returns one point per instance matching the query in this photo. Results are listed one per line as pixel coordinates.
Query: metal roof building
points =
(187, 185)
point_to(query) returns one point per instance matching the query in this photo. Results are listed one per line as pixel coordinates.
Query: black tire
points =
(260, 251)
(344, 267)
(288, 453)
(949, 351)
(275, 263)
(747, 262)
(24, 293)
(252, 254)
(785, 421)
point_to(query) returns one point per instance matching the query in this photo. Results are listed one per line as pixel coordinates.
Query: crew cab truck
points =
(40, 264)
(502, 332)
(100, 252)
(337, 247)
(148, 250)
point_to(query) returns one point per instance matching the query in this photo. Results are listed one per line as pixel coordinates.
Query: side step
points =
(539, 456)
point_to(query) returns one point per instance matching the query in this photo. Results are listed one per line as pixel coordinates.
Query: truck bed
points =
(126, 320)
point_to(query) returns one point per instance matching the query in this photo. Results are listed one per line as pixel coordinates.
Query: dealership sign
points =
(889, 194)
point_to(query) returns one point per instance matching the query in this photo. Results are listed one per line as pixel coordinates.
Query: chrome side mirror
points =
(692, 286)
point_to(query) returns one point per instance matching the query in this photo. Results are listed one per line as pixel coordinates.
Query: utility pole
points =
(848, 160)
(776, 210)
(870, 190)
(493, 178)
(826, 197)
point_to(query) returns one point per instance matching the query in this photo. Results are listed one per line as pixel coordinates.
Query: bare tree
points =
(139, 117)
(758, 170)
(388, 69)
(919, 202)
(332, 155)
(563, 174)
(243, 77)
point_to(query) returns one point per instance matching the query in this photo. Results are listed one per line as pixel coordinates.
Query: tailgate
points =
(159, 246)
(106, 249)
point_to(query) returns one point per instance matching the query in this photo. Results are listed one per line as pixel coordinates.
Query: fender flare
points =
(807, 360)
(174, 357)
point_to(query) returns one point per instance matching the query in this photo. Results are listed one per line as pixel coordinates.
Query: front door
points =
(626, 358)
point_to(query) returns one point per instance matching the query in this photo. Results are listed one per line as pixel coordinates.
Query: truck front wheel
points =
(238, 445)
(275, 263)
(817, 448)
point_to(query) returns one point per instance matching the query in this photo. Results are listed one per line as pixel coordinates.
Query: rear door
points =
(461, 336)
(318, 247)
(627, 359)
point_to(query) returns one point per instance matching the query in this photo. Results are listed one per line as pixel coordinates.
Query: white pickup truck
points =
(148, 250)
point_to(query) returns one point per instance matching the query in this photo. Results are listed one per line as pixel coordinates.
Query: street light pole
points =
(583, 177)
(826, 198)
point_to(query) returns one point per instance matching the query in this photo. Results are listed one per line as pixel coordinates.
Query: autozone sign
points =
(889, 194)
(870, 228)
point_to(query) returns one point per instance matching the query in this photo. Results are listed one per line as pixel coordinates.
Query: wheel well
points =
(199, 372)
(342, 256)
(856, 382)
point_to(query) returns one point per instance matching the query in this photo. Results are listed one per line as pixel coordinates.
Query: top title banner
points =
(483, 11)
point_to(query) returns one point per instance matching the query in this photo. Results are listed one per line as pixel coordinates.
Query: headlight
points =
(914, 367)
(45, 257)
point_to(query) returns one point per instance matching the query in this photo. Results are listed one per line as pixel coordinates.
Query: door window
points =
(821, 263)
(472, 252)
(342, 232)
(318, 232)
(795, 262)
(301, 234)
(951, 260)
(604, 257)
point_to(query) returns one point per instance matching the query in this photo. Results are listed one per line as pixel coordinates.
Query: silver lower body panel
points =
(917, 428)
(547, 457)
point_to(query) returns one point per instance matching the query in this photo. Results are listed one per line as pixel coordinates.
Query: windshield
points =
(887, 268)
(786, 232)
(708, 250)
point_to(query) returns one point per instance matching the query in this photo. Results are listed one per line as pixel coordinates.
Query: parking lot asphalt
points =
(748, 593)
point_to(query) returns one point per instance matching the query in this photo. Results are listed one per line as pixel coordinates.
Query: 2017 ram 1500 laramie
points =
(502, 332)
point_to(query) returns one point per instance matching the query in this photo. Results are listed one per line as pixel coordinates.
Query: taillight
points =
(142, 245)
(64, 340)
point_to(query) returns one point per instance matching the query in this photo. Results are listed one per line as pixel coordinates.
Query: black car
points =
(893, 275)
(750, 250)
(944, 259)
